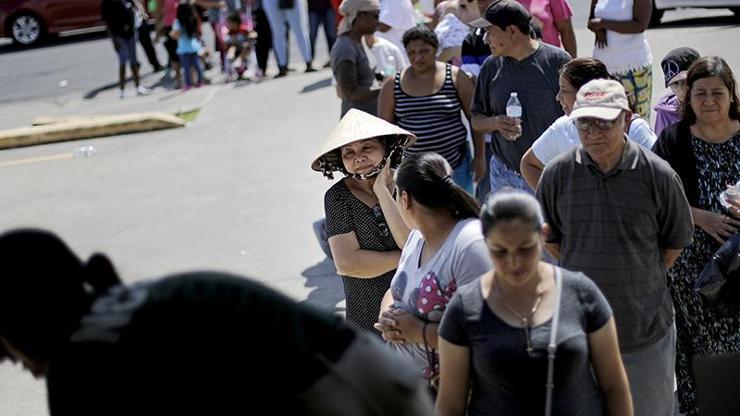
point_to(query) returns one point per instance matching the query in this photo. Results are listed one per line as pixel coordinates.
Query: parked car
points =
(28, 21)
(660, 6)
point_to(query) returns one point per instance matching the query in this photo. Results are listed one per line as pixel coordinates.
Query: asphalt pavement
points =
(233, 191)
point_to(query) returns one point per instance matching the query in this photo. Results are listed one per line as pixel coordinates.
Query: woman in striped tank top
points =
(426, 99)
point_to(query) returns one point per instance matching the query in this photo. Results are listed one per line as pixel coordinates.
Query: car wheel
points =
(26, 29)
(655, 16)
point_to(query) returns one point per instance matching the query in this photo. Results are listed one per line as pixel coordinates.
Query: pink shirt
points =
(546, 13)
(170, 11)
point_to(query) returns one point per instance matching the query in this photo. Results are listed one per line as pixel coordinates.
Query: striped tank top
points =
(435, 119)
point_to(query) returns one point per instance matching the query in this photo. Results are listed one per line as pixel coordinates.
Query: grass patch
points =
(188, 116)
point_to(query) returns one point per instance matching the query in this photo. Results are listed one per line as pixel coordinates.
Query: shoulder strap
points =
(449, 77)
(552, 347)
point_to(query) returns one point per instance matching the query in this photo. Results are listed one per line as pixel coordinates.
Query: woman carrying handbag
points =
(529, 337)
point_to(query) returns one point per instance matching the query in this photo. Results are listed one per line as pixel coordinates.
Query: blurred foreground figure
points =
(195, 343)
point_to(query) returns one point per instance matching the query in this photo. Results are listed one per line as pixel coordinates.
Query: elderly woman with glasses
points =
(364, 228)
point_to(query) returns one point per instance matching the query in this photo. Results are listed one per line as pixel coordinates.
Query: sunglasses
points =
(380, 219)
(585, 123)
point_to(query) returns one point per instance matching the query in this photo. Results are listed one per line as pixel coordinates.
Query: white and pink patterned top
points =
(426, 290)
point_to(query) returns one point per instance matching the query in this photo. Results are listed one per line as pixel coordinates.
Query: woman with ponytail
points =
(444, 251)
(200, 343)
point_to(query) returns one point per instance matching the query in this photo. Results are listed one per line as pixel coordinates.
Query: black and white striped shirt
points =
(435, 119)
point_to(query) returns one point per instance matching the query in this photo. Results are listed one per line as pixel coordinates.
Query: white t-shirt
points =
(451, 32)
(624, 51)
(399, 15)
(562, 136)
(381, 53)
(425, 291)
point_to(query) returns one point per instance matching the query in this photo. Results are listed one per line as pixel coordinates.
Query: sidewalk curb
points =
(59, 129)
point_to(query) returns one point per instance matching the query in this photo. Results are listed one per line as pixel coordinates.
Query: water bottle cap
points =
(513, 94)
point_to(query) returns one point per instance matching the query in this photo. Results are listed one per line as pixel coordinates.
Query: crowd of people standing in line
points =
(548, 268)
(585, 182)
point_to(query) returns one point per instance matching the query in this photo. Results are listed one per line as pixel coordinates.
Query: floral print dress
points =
(702, 330)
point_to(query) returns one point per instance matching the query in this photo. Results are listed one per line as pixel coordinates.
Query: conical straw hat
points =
(359, 125)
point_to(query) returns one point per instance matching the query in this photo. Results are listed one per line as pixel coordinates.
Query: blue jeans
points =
(277, 18)
(502, 176)
(463, 174)
(484, 186)
(328, 19)
(188, 62)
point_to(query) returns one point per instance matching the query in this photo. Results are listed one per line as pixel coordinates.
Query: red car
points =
(28, 21)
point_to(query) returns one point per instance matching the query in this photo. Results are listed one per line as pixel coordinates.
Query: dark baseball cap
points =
(677, 61)
(504, 13)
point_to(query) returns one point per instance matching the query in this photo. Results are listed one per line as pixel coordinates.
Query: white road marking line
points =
(26, 161)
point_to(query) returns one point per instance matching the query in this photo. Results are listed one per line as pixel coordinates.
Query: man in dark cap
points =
(675, 65)
(523, 65)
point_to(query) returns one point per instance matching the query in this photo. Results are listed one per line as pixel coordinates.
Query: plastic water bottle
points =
(514, 110)
(513, 106)
(84, 151)
(390, 66)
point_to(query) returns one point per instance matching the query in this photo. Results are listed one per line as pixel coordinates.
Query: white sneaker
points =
(142, 90)
(122, 94)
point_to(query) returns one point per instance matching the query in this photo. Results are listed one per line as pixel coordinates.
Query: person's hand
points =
(595, 24)
(384, 180)
(387, 326)
(600, 40)
(734, 207)
(719, 226)
(509, 127)
(480, 170)
(406, 323)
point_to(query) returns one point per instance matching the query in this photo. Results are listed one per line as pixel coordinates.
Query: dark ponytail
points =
(99, 274)
(426, 177)
(188, 18)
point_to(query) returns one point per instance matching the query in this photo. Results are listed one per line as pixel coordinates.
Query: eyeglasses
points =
(585, 123)
(380, 219)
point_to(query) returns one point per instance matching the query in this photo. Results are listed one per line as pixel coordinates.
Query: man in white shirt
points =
(396, 17)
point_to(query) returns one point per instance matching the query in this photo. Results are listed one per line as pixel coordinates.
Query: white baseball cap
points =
(600, 98)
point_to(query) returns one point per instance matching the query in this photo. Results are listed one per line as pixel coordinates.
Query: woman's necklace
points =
(526, 320)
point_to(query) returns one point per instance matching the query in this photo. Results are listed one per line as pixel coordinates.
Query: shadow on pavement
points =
(55, 40)
(316, 85)
(161, 82)
(328, 290)
(700, 22)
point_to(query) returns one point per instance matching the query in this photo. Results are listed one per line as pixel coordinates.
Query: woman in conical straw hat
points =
(363, 226)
